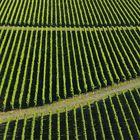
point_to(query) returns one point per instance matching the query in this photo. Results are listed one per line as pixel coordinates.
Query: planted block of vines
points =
(44, 65)
(69, 12)
(116, 117)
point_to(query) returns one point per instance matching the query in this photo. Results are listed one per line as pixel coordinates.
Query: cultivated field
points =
(55, 51)
(41, 66)
(70, 12)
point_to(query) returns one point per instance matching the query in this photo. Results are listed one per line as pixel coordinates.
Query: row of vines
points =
(69, 12)
(42, 66)
(115, 117)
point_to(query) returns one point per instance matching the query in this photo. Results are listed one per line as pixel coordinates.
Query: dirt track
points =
(82, 99)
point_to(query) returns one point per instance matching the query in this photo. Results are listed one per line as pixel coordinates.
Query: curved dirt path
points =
(69, 103)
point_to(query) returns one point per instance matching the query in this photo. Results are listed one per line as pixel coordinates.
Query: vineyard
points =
(41, 66)
(69, 12)
(57, 50)
(115, 117)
